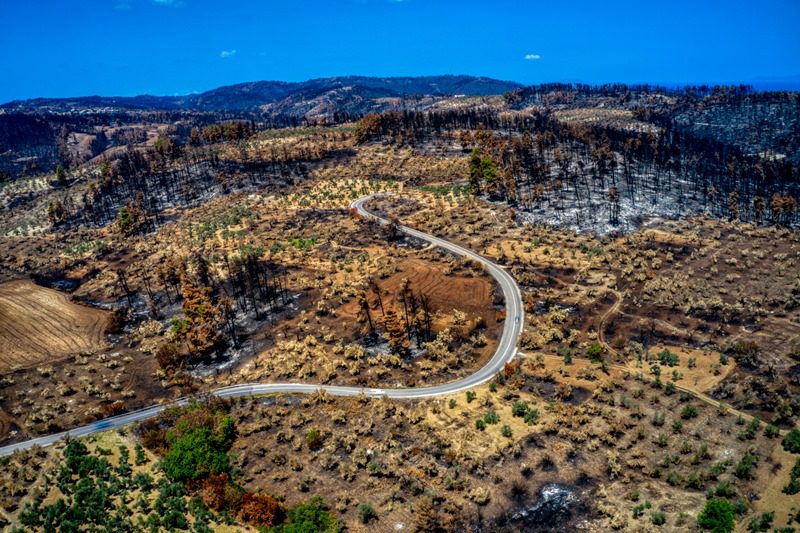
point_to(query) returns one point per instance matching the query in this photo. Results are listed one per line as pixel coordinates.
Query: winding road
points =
(506, 349)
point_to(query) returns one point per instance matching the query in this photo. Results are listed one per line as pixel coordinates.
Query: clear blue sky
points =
(128, 47)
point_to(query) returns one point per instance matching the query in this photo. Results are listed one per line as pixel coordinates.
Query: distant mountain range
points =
(268, 95)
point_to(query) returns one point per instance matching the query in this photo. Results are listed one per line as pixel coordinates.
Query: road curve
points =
(506, 349)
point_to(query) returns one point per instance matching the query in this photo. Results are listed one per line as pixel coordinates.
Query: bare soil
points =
(39, 325)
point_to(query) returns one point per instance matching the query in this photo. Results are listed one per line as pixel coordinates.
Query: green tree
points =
(166, 147)
(475, 172)
(61, 175)
(124, 220)
(199, 452)
(489, 173)
(791, 442)
(717, 516)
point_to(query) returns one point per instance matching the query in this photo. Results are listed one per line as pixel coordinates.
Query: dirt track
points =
(38, 325)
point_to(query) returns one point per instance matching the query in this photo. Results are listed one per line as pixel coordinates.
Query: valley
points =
(435, 312)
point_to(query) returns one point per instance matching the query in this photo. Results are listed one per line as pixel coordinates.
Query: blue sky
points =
(128, 47)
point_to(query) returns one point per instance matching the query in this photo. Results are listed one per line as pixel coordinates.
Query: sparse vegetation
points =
(223, 252)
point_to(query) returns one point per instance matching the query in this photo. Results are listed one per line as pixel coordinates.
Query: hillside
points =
(251, 95)
(633, 303)
(38, 134)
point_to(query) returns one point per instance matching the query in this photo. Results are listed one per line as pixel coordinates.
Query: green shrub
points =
(717, 516)
(724, 490)
(143, 480)
(794, 480)
(752, 429)
(313, 516)
(313, 439)
(665, 357)
(140, 457)
(471, 396)
(366, 513)
(695, 481)
(531, 417)
(655, 370)
(674, 478)
(595, 352)
(519, 409)
(791, 442)
(761, 523)
(491, 417)
(688, 412)
(480, 425)
(639, 510)
(506, 431)
(658, 518)
(686, 447)
(740, 508)
(771, 431)
(745, 466)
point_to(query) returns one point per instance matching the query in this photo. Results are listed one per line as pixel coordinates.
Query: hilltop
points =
(251, 96)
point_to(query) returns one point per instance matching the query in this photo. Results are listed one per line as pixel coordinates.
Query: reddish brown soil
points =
(472, 295)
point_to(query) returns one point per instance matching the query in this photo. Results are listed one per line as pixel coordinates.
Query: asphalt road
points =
(506, 349)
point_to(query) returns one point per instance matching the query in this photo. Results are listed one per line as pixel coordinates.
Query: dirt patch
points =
(472, 295)
(39, 324)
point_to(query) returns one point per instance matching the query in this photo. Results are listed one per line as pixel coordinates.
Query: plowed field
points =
(38, 325)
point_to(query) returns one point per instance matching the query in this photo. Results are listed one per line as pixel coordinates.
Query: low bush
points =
(366, 513)
(717, 516)
(791, 442)
(313, 515)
